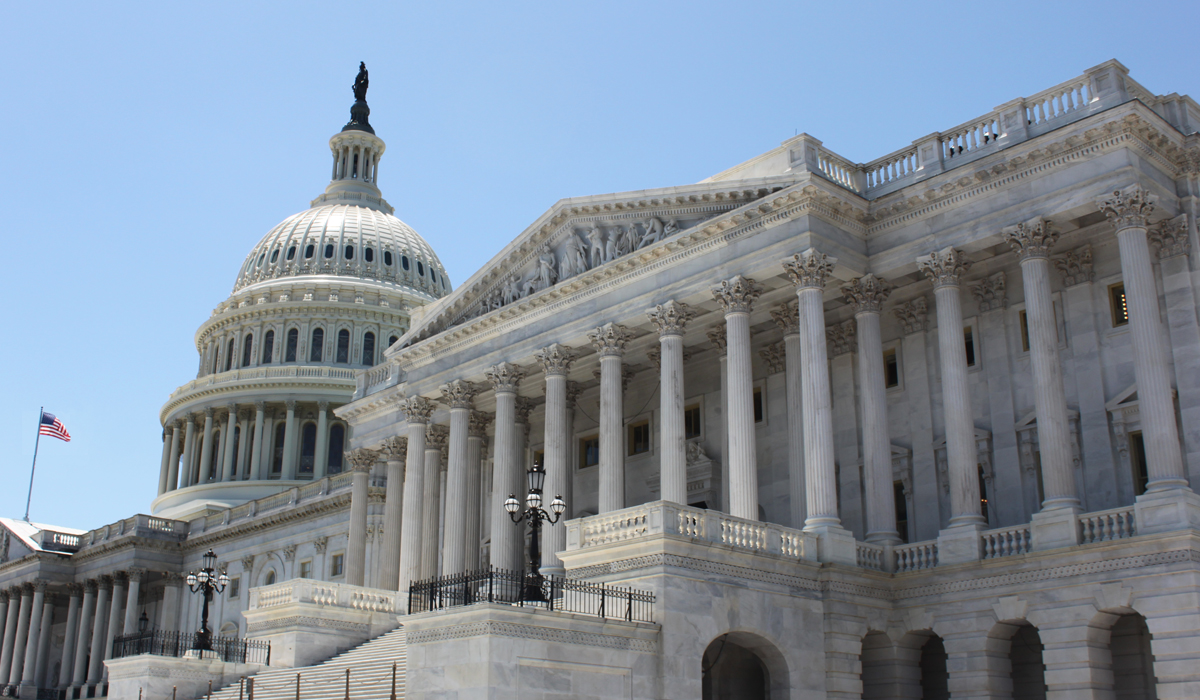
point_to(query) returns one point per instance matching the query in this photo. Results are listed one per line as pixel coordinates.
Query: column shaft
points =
(256, 448)
(22, 637)
(411, 533)
(189, 441)
(321, 466)
(956, 402)
(877, 447)
(29, 667)
(556, 451)
(131, 603)
(743, 471)
(173, 462)
(394, 449)
(456, 491)
(95, 663)
(267, 464)
(356, 548)
(164, 471)
(115, 620)
(795, 414)
(504, 533)
(289, 443)
(43, 646)
(612, 442)
(227, 453)
(83, 636)
(10, 633)
(70, 637)
(671, 395)
(473, 514)
(206, 448)
(817, 409)
(431, 508)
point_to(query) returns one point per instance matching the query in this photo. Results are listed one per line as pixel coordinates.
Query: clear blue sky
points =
(150, 146)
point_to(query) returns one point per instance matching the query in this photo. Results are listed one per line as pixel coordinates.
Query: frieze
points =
(494, 628)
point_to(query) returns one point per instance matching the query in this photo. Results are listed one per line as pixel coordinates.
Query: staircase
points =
(370, 666)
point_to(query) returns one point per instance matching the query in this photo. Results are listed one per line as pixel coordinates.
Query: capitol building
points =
(924, 427)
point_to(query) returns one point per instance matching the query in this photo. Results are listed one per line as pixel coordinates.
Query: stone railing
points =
(1058, 101)
(138, 526)
(284, 499)
(893, 167)
(916, 556)
(325, 594)
(1106, 525)
(282, 372)
(871, 556)
(372, 380)
(664, 518)
(1005, 541)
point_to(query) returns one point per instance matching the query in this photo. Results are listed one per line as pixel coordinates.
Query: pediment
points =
(1126, 398)
(1029, 420)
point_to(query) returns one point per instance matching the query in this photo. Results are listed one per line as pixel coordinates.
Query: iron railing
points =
(551, 592)
(162, 643)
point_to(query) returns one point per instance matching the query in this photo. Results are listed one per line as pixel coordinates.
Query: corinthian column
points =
(95, 662)
(29, 667)
(290, 463)
(610, 341)
(670, 319)
(505, 378)
(395, 449)
(418, 410)
(787, 317)
(206, 447)
(189, 446)
(256, 449)
(867, 294)
(945, 269)
(360, 461)
(70, 634)
(556, 363)
(736, 296)
(227, 453)
(1128, 211)
(436, 438)
(458, 394)
(21, 634)
(87, 617)
(476, 435)
(716, 336)
(164, 471)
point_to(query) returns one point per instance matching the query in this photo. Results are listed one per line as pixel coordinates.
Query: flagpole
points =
(36, 441)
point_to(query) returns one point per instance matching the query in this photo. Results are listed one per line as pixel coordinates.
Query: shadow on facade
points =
(744, 666)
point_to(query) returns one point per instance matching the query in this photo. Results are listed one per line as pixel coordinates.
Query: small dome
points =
(346, 240)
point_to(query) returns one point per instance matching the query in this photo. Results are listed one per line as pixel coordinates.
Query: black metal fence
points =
(160, 643)
(554, 593)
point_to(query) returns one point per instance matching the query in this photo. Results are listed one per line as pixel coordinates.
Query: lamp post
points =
(532, 590)
(206, 581)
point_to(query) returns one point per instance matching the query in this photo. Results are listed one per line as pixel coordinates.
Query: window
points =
(269, 579)
(235, 586)
(693, 425)
(349, 253)
(758, 404)
(404, 261)
(983, 497)
(229, 356)
(337, 439)
(308, 448)
(639, 438)
(420, 268)
(387, 258)
(1116, 300)
(589, 451)
(901, 510)
(277, 448)
(247, 347)
(293, 339)
(368, 355)
(369, 255)
(969, 343)
(306, 568)
(268, 347)
(392, 340)
(891, 369)
(328, 250)
(214, 466)
(343, 347)
(539, 459)
(216, 353)
(337, 565)
(433, 275)
(274, 255)
(260, 260)
(237, 438)
(310, 250)
(1137, 457)
(291, 252)
(318, 344)
(1023, 322)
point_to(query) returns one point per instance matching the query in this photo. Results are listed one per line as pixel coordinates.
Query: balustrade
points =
(870, 556)
(324, 593)
(1058, 101)
(1107, 525)
(916, 556)
(890, 168)
(1005, 541)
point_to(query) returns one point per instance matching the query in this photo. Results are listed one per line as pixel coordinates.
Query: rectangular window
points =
(235, 585)
(891, 368)
(969, 342)
(758, 405)
(539, 458)
(692, 425)
(1023, 321)
(337, 565)
(306, 568)
(983, 497)
(901, 510)
(639, 438)
(1137, 455)
(589, 451)
(1116, 299)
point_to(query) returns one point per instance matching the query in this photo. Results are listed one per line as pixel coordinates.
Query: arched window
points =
(268, 347)
(277, 448)
(214, 466)
(274, 255)
(369, 254)
(216, 353)
(291, 252)
(269, 579)
(349, 252)
(260, 260)
(433, 275)
(337, 442)
(387, 258)
(368, 357)
(289, 351)
(343, 347)
(308, 448)
(328, 250)
(420, 268)
(318, 344)
(237, 439)
(404, 261)
(310, 250)
(392, 340)
(247, 346)
(229, 356)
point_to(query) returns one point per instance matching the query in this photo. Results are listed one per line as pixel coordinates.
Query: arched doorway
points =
(935, 681)
(879, 663)
(1132, 659)
(1028, 671)
(743, 666)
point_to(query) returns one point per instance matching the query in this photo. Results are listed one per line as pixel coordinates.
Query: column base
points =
(835, 544)
(960, 544)
(1052, 529)
(27, 691)
(1167, 511)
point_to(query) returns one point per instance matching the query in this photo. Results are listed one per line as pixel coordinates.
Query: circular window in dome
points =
(404, 261)
(310, 250)
(275, 255)
(349, 252)
(387, 258)
(328, 250)
(369, 254)
(420, 268)
(291, 252)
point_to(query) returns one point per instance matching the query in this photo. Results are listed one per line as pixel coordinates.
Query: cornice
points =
(386, 400)
(272, 385)
(278, 518)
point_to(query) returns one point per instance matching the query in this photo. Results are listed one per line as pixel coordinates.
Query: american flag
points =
(53, 427)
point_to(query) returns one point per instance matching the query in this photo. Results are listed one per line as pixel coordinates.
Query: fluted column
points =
(173, 461)
(12, 604)
(610, 341)
(736, 296)
(32, 633)
(70, 634)
(321, 466)
(395, 450)
(83, 636)
(716, 336)
(265, 466)
(556, 362)
(787, 317)
(520, 484)
(227, 453)
(21, 637)
(458, 394)
(164, 471)
(418, 410)
(189, 446)
(436, 437)
(360, 461)
(115, 620)
(505, 378)
(289, 442)
(867, 294)
(131, 599)
(1128, 210)
(256, 447)
(95, 664)
(1032, 242)
(945, 269)
(476, 434)
(670, 319)
(206, 447)
(241, 465)
(42, 660)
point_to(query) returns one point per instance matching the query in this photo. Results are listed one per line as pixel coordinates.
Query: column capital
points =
(505, 377)
(654, 354)
(3, 596)
(610, 339)
(842, 338)
(119, 578)
(787, 317)
(1076, 265)
(135, 574)
(245, 414)
(105, 582)
(178, 424)
(208, 412)
(867, 293)
(437, 437)
(478, 422)
(574, 389)
(231, 408)
(1170, 237)
(716, 336)
(670, 317)
(1031, 239)
(74, 590)
(991, 292)
(418, 409)
(90, 586)
(260, 405)
(362, 459)
(944, 268)
(319, 545)
(248, 565)
(290, 404)
(913, 315)
(775, 356)
(809, 269)
(556, 359)
(395, 448)
(737, 294)
(458, 393)
(524, 408)
(36, 586)
(1127, 208)
(323, 405)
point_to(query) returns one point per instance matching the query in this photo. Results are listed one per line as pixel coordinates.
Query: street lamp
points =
(206, 581)
(535, 515)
